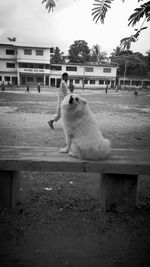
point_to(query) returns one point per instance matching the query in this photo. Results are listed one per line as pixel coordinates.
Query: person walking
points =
(3, 86)
(106, 89)
(136, 91)
(71, 86)
(28, 88)
(39, 87)
(63, 91)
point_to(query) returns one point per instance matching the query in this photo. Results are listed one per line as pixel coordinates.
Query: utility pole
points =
(125, 68)
(51, 52)
(83, 75)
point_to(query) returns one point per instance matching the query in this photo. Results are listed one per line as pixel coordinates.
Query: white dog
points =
(83, 137)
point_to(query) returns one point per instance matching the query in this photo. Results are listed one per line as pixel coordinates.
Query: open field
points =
(122, 117)
(58, 222)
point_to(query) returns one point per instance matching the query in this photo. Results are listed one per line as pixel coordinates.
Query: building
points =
(87, 76)
(134, 81)
(21, 64)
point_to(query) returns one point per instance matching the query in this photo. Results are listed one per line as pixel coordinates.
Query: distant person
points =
(106, 89)
(9, 84)
(136, 91)
(71, 86)
(39, 87)
(3, 86)
(117, 87)
(27, 89)
(63, 91)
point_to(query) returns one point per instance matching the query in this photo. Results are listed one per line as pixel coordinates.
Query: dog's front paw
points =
(64, 150)
(71, 154)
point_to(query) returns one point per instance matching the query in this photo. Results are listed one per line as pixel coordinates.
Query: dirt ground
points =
(58, 221)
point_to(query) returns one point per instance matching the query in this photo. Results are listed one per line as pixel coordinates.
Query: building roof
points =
(87, 64)
(134, 77)
(20, 44)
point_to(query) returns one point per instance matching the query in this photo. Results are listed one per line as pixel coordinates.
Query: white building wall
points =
(97, 71)
(45, 58)
(7, 74)
(4, 68)
(3, 54)
(33, 58)
(86, 76)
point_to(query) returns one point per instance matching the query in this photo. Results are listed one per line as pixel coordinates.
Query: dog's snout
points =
(71, 100)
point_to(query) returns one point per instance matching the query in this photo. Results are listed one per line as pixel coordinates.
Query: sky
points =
(71, 20)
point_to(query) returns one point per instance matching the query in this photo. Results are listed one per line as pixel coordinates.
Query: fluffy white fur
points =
(83, 137)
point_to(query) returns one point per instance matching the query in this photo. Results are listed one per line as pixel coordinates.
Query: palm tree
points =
(116, 51)
(98, 55)
(57, 56)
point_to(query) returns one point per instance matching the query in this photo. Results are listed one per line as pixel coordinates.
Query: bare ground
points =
(59, 221)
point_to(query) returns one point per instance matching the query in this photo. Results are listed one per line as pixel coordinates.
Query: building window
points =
(10, 65)
(47, 66)
(29, 79)
(39, 52)
(136, 83)
(127, 82)
(23, 65)
(0, 78)
(27, 52)
(92, 81)
(40, 80)
(40, 66)
(133, 83)
(7, 79)
(107, 82)
(88, 69)
(10, 52)
(101, 81)
(85, 81)
(147, 83)
(77, 81)
(35, 66)
(107, 70)
(53, 67)
(68, 68)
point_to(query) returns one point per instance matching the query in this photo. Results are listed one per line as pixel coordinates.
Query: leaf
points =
(143, 28)
(100, 9)
(49, 5)
(125, 43)
(143, 10)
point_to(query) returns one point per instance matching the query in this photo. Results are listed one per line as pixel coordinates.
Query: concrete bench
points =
(118, 174)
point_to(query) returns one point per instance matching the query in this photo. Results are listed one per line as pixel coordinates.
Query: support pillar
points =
(9, 188)
(44, 80)
(118, 192)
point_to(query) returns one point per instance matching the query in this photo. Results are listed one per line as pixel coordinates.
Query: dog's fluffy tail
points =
(105, 149)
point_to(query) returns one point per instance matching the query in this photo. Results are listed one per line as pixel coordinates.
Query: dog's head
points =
(73, 102)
